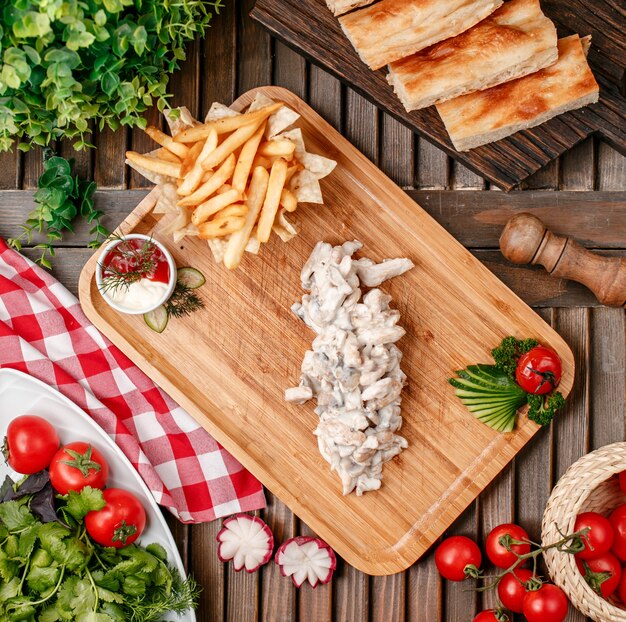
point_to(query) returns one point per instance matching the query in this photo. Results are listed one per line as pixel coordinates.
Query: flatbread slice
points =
(512, 42)
(339, 7)
(392, 29)
(486, 116)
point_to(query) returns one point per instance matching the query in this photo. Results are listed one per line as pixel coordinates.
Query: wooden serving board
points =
(310, 28)
(229, 364)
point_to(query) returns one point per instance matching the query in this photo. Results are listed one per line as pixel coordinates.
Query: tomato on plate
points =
(512, 589)
(618, 522)
(602, 573)
(77, 465)
(30, 444)
(497, 552)
(458, 558)
(547, 604)
(599, 539)
(539, 370)
(490, 615)
(120, 522)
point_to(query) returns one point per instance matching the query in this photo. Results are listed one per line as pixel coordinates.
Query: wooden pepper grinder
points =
(526, 239)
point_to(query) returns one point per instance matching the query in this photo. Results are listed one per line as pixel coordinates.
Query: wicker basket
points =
(589, 485)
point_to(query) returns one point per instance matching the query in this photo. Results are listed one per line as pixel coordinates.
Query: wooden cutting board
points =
(310, 28)
(229, 364)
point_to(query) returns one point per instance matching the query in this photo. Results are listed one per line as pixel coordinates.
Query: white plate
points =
(21, 394)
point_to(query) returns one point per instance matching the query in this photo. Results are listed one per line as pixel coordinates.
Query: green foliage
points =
(51, 572)
(61, 197)
(541, 408)
(508, 352)
(64, 63)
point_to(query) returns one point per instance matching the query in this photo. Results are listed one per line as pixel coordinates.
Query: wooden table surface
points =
(583, 195)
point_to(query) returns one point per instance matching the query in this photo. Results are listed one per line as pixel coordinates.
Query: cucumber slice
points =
(474, 379)
(157, 319)
(190, 278)
(470, 385)
(486, 399)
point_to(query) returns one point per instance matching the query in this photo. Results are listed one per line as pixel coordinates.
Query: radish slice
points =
(247, 540)
(304, 558)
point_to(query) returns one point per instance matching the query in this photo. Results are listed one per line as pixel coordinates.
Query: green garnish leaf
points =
(89, 499)
(16, 516)
(542, 407)
(508, 352)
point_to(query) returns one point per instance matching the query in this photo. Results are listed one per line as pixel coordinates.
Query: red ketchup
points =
(129, 255)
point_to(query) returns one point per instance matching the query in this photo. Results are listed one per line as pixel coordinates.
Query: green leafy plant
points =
(65, 63)
(51, 570)
(61, 197)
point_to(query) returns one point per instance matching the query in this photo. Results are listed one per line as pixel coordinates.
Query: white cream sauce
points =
(141, 294)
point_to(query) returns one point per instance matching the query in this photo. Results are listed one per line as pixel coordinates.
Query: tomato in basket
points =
(618, 522)
(599, 539)
(602, 573)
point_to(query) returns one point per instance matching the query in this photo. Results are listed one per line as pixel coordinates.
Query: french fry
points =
(292, 170)
(278, 174)
(239, 239)
(167, 141)
(194, 177)
(261, 161)
(226, 124)
(164, 154)
(190, 159)
(278, 147)
(288, 200)
(232, 211)
(169, 169)
(211, 185)
(220, 227)
(223, 189)
(245, 159)
(236, 139)
(214, 205)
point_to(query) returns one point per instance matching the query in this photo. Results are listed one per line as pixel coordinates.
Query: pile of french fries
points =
(229, 177)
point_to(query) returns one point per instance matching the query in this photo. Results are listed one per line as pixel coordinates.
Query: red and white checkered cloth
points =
(44, 333)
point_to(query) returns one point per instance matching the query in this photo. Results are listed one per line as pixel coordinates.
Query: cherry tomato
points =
(30, 443)
(77, 465)
(622, 481)
(120, 522)
(497, 553)
(606, 563)
(511, 589)
(457, 556)
(547, 604)
(539, 370)
(618, 522)
(489, 615)
(600, 536)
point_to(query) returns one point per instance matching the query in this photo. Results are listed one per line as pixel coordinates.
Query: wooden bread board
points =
(229, 364)
(310, 28)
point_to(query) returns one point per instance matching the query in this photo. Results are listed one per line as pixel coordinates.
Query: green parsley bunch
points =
(64, 63)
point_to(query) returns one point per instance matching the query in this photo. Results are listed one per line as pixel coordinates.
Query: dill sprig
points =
(183, 301)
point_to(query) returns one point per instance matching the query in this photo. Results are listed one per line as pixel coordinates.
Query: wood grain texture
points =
(310, 28)
(389, 224)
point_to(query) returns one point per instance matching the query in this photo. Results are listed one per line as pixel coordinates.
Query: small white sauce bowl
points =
(170, 262)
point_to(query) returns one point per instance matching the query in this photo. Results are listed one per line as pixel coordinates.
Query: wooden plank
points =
(290, 70)
(185, 83)
(10, 169)
(396, 151)
(388, 598)
(67, 264)
(254, 58)
(607, 378)
(424, 591)
(278, 594)
(350, 594)
(110, 170)
(83, 160)
(208, 570)
(361, 124)
(546, 178)
(32, 167)
(218, 78)
(578, 167)
(242, 596)
(356, 185)
(597, 220)
(325, 96)
(611, 168)
(433, 167)
(463, 178)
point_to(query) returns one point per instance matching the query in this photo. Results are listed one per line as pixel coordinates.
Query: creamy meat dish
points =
(353, 369)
